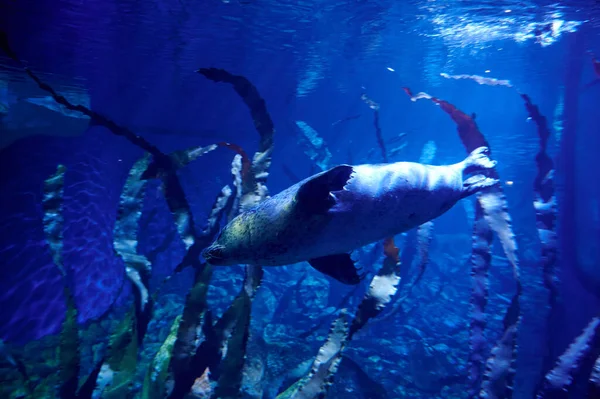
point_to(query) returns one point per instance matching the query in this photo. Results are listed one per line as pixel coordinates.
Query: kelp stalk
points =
(481, 257)
(375, 107)
(545, 213)
(315, 383)
(125, 241)
(499, 371)
(381, 290)
(69, 356)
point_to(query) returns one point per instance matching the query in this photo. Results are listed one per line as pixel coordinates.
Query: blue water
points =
(136, 64)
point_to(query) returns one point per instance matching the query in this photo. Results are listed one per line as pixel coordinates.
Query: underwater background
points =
(131, 132)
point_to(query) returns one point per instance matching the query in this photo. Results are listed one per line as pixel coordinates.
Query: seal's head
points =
(232, 245)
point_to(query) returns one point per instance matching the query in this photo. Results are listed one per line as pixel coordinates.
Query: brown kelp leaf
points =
(95, 117)
(545, 214)
(184, 157)
(481, 258)
(500, 366)
(424, 237)
(495, 211)
(222, 203)
(175, 196)
(251, 97)
(492, 199)
(497, 380)
(325, 365)
(378, 135)
(232, 330)
(560, 379)
(482, 80)
(263, 124)
(245, 163)
(236, 175)
(163, 164)
(390, 250)
(381, 290)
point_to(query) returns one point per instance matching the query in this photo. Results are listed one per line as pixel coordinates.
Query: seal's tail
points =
(478, 171)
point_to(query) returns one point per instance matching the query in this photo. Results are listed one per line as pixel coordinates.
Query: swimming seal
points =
(324, 217)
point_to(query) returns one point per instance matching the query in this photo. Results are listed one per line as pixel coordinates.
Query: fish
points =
(323, 218)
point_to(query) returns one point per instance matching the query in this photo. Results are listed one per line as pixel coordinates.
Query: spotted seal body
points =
(324, 217)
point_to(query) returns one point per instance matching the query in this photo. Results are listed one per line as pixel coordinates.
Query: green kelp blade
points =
(234, 349)
(318, 379)
(89, 385)
(190, 335)
(222, 205)
(156, 376)
(118, 372)
(314, 146)
(68, 353)
(125, 241)
(69, 350)
(53, 218)
(233, 332)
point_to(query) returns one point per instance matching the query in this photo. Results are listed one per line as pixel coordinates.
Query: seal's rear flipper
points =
(478, 171)
(339, 266)
(314, 196)
(476, 183)
(478, 162)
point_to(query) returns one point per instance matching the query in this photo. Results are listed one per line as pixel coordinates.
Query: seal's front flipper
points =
(314, 196)
(478, 171)
(339, 266)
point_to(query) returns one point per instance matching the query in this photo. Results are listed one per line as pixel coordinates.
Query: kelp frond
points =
(559, 380)
(381, 290)
(318, 379)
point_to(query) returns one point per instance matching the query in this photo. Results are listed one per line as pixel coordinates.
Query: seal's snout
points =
(213, 254)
